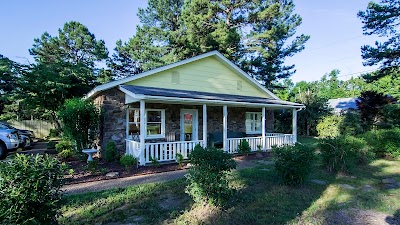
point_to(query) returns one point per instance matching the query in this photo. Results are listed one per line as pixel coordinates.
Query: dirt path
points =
(135, 180)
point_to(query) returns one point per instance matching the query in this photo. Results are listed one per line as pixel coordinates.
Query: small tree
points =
(244, 147)
(80, 121)
(293, 163)
(371, 104)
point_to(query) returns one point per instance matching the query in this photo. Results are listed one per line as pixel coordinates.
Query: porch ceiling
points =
(137, 93)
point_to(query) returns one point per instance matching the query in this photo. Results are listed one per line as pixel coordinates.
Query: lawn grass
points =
(260, 199)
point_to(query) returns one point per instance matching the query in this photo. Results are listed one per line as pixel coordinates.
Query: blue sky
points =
(335, 30)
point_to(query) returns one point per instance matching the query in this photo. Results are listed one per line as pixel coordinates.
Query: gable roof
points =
(215, 54)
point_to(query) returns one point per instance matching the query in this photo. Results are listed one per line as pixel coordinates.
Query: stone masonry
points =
(113, 121)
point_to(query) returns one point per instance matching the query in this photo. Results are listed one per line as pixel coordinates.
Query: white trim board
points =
(215, 54)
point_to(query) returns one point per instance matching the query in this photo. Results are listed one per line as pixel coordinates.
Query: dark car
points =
(26, 136)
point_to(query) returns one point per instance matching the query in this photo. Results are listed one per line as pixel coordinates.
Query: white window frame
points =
(253, 121)
(162, 135)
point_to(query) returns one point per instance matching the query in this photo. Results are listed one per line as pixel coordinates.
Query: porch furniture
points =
(216, 139)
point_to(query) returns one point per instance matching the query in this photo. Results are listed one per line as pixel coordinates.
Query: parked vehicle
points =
(26, 136)
(9, 140)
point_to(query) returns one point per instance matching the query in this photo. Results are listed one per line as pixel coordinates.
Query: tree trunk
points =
(54, 116)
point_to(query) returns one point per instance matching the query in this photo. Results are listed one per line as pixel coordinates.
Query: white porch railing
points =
(166, 151)
(162, 151)
(255, 143)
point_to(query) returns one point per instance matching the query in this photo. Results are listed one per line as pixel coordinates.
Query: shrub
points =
(351, 124)
(51, 145)
(30, 190)
(66, 154)
(92, 166)
(80, 120)
(343, 153)
(329, 126)
(384, 142)
(391, 115)
(244, 147)
(64, 145)
(179, 159)
(128, 161)
(54, 133)
(293, 163)
(207, 176)
(111, 153)
(154, 162)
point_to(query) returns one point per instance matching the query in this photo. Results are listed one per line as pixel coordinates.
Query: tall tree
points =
(273, 24)
(9, 73)
(382, 19)
(370, 105)
(173, 30)
(65, 67)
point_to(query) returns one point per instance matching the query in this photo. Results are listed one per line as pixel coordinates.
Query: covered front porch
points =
(160, 127)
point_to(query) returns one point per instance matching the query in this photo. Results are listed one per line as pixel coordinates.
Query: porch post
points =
(263, 129)
(142, 131)
(225, 128)
(205, 125)
(294, 129)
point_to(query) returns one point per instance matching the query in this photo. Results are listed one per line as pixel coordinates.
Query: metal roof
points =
(340, 104)
(163, 92)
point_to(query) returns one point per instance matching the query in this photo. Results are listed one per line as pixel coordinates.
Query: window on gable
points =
(253, 122)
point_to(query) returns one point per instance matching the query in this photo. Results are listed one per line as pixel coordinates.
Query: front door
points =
(189, 125)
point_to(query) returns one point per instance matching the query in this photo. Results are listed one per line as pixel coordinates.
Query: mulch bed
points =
(82, 174)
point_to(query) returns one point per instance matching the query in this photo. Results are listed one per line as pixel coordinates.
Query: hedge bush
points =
(336, 125)
(64, 145)
(207, 177)
(244, 147)
(342, 153)
(385, 142)
(110, 153)
(30, 190)
(293, 163)
(128, 161)
(329, 126)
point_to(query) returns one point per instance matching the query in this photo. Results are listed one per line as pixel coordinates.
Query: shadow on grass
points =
(367, 202)
(264, 200)
(142, 204)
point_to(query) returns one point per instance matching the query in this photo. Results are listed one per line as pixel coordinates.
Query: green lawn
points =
(260, 199)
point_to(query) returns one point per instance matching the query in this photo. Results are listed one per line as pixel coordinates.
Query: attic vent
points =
(239, 85)
(175, 77)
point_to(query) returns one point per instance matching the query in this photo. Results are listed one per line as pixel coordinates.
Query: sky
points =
(335, 30)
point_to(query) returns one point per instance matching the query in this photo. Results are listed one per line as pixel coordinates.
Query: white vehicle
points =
(9, 140)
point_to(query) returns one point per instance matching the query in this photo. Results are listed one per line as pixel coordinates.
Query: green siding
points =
(207, 75)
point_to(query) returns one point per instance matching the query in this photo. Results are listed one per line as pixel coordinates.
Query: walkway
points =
(135, 180)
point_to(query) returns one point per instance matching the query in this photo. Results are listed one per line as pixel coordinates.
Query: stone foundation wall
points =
(113, 121)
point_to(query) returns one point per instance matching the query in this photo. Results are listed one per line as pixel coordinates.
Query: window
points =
(253, 122)
(155, 123)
